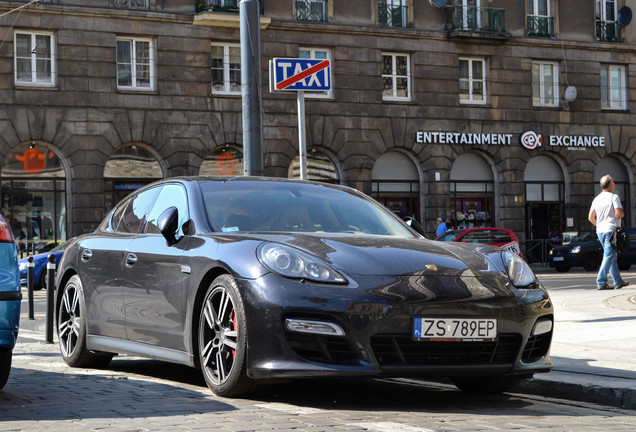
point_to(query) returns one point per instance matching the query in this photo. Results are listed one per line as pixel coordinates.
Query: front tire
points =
(71, 328)
(5, 366)
(592, 262)
(484, 385)
(222, 339)
(562, 268)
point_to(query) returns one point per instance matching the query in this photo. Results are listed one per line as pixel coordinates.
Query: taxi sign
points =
(300, 74)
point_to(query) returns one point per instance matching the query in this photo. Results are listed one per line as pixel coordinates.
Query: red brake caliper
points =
(234, 324)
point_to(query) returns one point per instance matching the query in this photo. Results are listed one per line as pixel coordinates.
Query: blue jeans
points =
(609, 264)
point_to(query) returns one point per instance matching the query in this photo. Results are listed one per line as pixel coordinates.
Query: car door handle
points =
(131, 259)
(87, 254)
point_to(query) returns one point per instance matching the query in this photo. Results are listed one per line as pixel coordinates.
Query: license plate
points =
(557, 259)
(455, 329)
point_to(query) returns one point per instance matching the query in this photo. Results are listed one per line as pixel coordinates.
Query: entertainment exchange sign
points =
(530, 139)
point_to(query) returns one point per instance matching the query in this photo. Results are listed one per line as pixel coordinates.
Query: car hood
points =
(384, 255)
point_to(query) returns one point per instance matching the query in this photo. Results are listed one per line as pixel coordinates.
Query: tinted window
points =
(284, 206)
(134, 211)
(170, 196)
(500, 236)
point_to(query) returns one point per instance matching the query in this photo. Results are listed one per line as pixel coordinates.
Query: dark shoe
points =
(605, 287)
(622, 284)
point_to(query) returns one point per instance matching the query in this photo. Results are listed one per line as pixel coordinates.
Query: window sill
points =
(35, 87)
(137, 91)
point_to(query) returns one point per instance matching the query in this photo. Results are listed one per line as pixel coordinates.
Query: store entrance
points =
(544, 228)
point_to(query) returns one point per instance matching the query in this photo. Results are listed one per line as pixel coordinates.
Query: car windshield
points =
(285, 206)
(587, 236)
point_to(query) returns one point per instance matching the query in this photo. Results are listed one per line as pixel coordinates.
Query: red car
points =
(502, 237)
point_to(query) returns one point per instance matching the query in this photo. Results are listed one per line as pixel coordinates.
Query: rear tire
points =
(484, 385)
(624, 267)
(5, 366)
(223, 339)
(71, 329)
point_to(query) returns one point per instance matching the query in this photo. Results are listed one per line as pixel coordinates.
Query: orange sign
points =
(226, 164)
(32, 160)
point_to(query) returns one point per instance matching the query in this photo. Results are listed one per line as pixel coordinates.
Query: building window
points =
(613, 87)
(392, 13)
(34, 59)
(311, 10)
(606, 26)
(226, 69)
(472, 80)
(135, 64)
(396, 77)
(545, 84)
(130, 4)
(317, 54)
(540, 23)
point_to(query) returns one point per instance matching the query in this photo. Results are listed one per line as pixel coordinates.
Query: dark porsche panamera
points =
(254, 279)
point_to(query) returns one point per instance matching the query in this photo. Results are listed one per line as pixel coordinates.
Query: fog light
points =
(316, 327)
(542, 327)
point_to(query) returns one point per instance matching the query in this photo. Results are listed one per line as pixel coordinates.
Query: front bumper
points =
(377, 317)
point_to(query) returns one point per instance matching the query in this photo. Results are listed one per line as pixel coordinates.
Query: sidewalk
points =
(594, 344)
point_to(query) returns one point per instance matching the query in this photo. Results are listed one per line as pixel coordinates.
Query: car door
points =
(153, 277)
(101, 261)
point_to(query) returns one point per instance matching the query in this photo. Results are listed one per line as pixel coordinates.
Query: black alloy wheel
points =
(71, 328)
(223, 340)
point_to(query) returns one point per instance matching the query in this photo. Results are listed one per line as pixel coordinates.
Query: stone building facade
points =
(491, 112)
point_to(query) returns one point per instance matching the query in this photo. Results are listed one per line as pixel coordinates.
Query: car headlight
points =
(292, 263)
(576, 249)
(519, 272)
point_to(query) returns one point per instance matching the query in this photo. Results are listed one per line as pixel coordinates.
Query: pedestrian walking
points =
(605, 214)
(441, 227)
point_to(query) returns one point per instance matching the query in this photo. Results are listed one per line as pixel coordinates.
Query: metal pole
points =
(302, 139)
(50, 291)
(30, 285)
(251, 86)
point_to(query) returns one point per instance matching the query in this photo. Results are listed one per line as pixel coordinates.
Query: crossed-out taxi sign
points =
(300, 74)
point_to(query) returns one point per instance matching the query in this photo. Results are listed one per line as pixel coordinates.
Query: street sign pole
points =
(302, 137)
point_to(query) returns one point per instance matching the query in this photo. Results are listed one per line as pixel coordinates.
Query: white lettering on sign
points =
(577, 141)
(462, 138)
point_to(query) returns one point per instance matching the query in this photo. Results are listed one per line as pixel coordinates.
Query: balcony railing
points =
(474, 19)
(311, 10)
(128, 4)
(229, 6)
(540, 26)
(608, 31)
(392, 16)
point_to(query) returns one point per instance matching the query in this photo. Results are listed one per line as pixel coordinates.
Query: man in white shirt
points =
(605, 212)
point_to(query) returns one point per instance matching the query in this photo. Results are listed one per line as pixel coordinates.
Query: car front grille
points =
(394, 350)
(536, 348)
(323, 349)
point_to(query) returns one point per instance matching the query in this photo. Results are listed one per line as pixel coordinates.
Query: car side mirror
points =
(168, 224)
(410, 221)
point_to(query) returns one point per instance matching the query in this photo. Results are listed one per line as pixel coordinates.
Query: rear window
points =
(501, 237)
(482, 236)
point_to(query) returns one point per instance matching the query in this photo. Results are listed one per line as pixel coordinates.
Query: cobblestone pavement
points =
(144, 395)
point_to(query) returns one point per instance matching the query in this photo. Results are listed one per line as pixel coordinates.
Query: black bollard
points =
(30, 285)
(50, 295)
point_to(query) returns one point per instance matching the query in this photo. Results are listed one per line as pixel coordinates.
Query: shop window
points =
(34, 197)
(472, 80)
(128, 169)
(396, 77)
(34, 56)
(396, 184)
(135, 64)
(320, 167)
(226, 69)
(472, 192)
(545, 84)
(224, 161)
(613, 87)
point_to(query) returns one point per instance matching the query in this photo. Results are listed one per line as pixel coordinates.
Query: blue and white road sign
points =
(300, 74)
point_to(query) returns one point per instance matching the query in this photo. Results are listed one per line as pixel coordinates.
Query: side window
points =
(134, 211)
(481, 236)
(170, 196)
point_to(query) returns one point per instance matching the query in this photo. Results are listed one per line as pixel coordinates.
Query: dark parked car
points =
(586, 251)
(10, 296)
(39, 265)
(256, 279)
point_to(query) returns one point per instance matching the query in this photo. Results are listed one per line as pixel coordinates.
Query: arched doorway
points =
(472, 192)
(34, 196)
(129, 168)
(545, 191)
(396, 184)
(226, 160)
(320, 167)
(612, 166)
